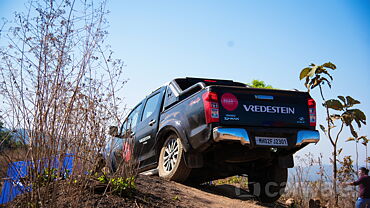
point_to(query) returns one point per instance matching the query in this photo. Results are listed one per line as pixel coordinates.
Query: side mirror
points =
(113, 131)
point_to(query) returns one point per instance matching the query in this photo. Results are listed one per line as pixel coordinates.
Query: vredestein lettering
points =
(269, 109)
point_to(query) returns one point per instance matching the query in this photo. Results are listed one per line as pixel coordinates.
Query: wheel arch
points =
(167, 131)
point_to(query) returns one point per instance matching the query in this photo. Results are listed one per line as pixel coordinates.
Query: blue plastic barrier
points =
(17, 170)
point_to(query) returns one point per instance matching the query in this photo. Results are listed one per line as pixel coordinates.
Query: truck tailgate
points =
(262, 107)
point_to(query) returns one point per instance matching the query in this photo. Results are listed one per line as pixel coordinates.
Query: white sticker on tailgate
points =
(271, 141)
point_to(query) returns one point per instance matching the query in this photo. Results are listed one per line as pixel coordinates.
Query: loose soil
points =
(151, 191)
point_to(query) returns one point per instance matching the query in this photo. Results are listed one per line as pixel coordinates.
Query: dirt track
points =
(151, 191)
(200, 196)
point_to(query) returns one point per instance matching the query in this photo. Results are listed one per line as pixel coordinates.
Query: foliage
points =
(349, 114)
(259, 84)
(46, 176)
(304, 189)
(346, 173)
(119, 185)
(338, 111)
(231, 180)
(317, 75)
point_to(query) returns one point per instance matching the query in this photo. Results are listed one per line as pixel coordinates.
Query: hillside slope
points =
(152, 191)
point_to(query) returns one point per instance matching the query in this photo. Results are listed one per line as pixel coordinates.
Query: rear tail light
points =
(312, 111)
(211, 109)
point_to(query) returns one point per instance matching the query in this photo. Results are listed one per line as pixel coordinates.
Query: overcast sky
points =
(242, 41)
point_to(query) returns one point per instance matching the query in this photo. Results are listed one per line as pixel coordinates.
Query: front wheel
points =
(171, 160)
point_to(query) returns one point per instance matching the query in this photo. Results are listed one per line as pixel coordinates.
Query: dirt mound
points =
(151, 191)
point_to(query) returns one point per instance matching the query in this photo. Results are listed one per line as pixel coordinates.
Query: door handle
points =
(152, 122)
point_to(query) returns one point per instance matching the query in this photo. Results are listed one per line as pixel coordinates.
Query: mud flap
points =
(194, 160)
(286, 161)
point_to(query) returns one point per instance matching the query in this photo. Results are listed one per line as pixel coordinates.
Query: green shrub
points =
(119, 185)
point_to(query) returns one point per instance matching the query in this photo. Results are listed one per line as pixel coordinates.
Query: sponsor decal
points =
(126, 151)
(301, 120)
(229, 101)
(144, 139)
(269, 109)
(231, 117)
(194, 101)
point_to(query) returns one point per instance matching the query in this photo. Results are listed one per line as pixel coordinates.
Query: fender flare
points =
(172, 127)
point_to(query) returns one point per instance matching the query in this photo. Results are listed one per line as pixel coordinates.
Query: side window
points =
(131, 121)
(150, 106)
(169, 97)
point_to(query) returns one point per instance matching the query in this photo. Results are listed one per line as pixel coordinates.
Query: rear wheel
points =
(171, 160)
(268, 184)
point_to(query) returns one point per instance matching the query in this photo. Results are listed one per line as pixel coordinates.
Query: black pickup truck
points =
(197, 130)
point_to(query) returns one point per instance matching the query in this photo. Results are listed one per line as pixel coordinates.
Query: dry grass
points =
(306, 191)
(59, 83)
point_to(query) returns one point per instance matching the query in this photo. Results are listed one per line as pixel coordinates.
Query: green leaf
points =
(304, 73)
(335, 117)
(327, 73)
(353, 132)
(329, 65)
(342, 99)
(322, 79)
(315, 81)
(364, 138)
(350, 139)
(322, 128)
(347, 118)
(334, 104)
(359, 114)
(351, 102)
(307, 84)
(312, 71)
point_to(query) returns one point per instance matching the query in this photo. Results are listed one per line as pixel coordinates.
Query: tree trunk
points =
(335, 175)
(356, 155)
(366, 155)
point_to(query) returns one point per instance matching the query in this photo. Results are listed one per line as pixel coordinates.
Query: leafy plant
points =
(46, 176)
(317, 75)
(346, 172)
(119, 185)
(259, 84)
(344, 113)
(357, 140)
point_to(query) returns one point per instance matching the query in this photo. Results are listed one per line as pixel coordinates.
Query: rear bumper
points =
(241, 135)
(307, 136)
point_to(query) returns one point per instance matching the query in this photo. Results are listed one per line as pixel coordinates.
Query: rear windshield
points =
(187, 82)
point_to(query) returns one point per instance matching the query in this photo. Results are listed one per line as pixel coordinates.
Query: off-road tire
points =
(172, 152)
(268, 184)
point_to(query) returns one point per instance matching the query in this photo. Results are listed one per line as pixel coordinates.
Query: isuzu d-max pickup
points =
(198, 130)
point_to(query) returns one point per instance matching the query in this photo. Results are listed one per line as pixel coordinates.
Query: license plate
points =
(270, 141)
